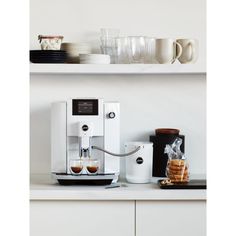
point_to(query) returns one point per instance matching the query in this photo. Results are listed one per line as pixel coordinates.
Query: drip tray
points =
(99, 179)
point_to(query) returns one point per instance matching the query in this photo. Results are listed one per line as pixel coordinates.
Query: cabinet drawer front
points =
(165, 218)
(61, 218)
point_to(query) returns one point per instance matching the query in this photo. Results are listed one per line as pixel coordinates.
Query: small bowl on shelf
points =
(50, 42)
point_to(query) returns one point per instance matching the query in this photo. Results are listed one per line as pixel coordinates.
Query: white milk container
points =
(139, 164)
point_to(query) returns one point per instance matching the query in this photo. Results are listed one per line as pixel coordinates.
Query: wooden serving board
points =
(192, 184)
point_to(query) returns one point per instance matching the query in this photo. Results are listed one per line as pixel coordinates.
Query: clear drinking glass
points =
(108, 48)
(76, 166)
(150, 57)
(107, 38)
(111, 52)
(137, 49)
(92, 166)
(122, 49)
(109, 33)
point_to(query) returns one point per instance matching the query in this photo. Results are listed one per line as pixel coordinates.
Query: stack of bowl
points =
(50, 50)
(74, 50)
(84, 48)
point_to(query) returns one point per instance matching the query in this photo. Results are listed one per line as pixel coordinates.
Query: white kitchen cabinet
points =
(134, 210)
(166, 218)
(61, 218)
(118, 218)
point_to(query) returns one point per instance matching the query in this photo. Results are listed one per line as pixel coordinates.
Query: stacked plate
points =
(84, 48)
(47, 56)
(94, 59)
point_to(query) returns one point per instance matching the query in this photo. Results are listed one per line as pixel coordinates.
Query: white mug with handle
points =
(167, 51)
(189, 50)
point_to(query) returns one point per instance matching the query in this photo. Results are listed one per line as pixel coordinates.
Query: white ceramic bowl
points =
(94, 59)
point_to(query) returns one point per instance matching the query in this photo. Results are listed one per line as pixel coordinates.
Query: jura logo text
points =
(85, 127)
(139, 160)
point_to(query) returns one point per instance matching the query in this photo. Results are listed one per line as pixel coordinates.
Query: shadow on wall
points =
(40, 141)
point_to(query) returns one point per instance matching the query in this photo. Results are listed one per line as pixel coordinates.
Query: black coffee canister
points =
(162, 138)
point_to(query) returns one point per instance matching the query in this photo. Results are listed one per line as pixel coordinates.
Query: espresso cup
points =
(189, 50)
(166, 51)
(92, 166)
(76, 166)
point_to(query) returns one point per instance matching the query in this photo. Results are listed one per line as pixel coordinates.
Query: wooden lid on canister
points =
(167, 131)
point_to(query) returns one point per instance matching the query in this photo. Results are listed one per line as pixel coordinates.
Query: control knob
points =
(111, 115)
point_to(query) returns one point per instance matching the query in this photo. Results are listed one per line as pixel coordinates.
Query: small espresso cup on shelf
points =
(189, 50)
(166, 50)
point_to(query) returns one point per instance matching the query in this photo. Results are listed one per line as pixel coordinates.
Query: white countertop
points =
(43, 187)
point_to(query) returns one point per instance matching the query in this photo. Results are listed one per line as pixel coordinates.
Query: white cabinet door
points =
(167, 218)
(75, 218)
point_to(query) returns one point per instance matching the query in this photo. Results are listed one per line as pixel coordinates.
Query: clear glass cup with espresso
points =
(76, 166)
(92, 166)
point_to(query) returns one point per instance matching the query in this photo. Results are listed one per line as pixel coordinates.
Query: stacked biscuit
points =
(177, 171)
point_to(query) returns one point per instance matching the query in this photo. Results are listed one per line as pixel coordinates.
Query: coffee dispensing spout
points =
(85, 133)
(85, 150)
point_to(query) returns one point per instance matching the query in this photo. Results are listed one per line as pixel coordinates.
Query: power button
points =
(111, 115)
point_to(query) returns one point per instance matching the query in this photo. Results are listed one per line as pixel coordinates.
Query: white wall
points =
(147, 101)
(80, 20)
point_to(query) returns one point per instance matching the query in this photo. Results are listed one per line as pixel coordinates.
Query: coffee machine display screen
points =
(85, 107)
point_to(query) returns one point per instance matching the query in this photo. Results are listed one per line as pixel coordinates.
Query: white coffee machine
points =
(83, 129)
